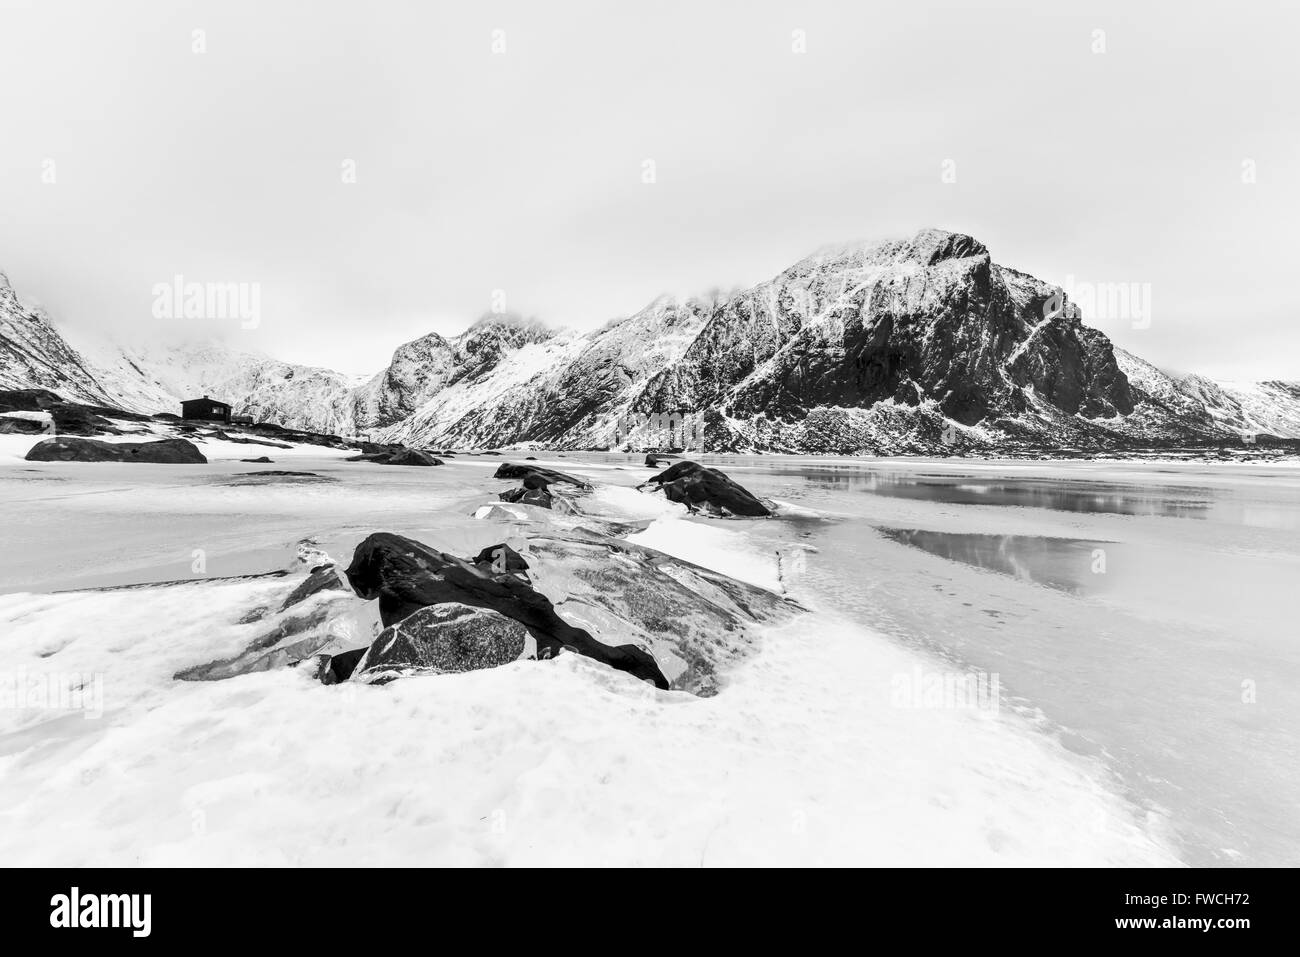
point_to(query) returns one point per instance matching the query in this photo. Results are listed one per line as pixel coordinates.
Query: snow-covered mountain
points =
(156, 377)
(906, 346)
(33, 354)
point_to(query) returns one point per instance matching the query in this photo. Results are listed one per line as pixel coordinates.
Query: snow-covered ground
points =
(815, 751)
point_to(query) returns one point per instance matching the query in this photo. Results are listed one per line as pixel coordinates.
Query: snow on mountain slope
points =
(421, 369)
(1201, 405)
(267, 389)
(904, 346)
(567, 390)
(1270, 407)
(33, 354)
(156, 377)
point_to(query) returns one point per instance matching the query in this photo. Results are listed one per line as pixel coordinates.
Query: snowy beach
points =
(814, 750)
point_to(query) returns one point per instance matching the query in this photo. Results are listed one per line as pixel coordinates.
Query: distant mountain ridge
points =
(916, 345)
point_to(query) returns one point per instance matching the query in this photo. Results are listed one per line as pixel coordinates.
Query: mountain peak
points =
(532, 329)
(930, 246)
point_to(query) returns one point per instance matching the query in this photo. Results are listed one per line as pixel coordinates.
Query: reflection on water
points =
(1056, 494)
(1178, 665)
(1071, 565)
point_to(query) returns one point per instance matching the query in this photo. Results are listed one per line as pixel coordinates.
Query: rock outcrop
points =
(443, 639)
(543, 476)
(707, 490)
(406, 576)
(398, 457)
(696, 622)
(163, 451)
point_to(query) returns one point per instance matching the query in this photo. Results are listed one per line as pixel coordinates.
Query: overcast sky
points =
(522, 169)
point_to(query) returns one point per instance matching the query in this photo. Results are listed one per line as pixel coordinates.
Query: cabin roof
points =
(207, 400)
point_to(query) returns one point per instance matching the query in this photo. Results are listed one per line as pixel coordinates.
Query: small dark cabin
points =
(210, 410)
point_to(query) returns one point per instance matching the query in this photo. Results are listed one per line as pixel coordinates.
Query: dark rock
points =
(283, 473)
(263, 460)
(398, 457)
(323, 578)
(443, 639)
(164, 451)
(412, 457)
(252, 615)
(10, 425)
(530, 458)
(79, 420)
(337, 668)
(28, 400)
(298, 436)
(706, 489)
(406, 575)
(528, 496)
(653, 461)
(500, 559)
(245, 440)
(508, 470)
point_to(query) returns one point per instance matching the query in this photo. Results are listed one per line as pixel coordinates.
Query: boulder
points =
(707, 490)
(500, 559)
(508, 470)
(322, 578)
(406, 575)
(28, 400)
(13, 425)
(163, 451)
(443, 639)
(412, 457)
(696, 622)
(527, 496)
(333, 669)
(261, 460)
(653, 460)
(282, 473)
(397, 457)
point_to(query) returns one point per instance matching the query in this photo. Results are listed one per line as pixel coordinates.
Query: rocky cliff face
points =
(932, 320)
(422, 369)
(909, 346)
(156, 377)
(855, 348)
(34, 355)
